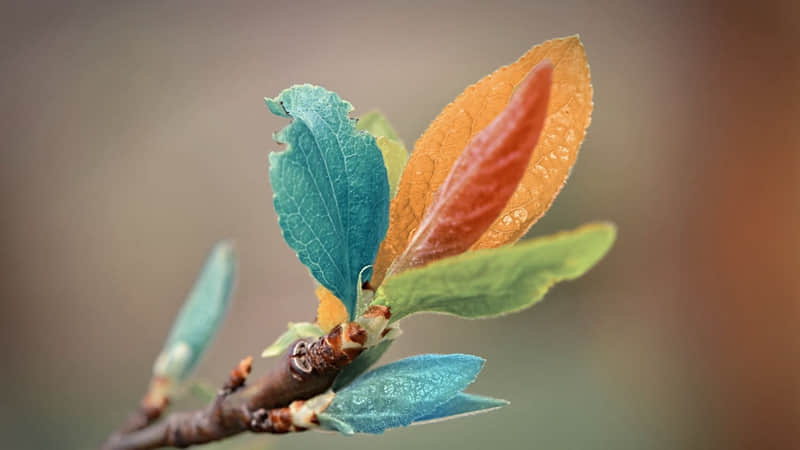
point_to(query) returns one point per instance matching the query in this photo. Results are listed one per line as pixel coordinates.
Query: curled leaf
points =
(569, 113)
(200, 316)
(483, 177)
(492, 282)
(331, 190)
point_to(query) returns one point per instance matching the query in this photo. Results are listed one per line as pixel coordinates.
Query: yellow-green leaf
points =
(394, 158)
(492, 282)
(394, 152)
(293, 332)
(376, 124)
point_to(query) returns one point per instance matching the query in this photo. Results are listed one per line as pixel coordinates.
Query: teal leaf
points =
(293, 332)
(497, 281)
(462, 405)
(398, 393)
(330, 189)
(200, 316)
(361, 364)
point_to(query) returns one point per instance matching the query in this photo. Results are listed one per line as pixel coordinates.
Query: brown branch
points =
(150, 408)
(307, 369)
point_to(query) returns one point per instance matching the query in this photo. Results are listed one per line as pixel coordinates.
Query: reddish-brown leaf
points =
(435, 152)
(483, 177)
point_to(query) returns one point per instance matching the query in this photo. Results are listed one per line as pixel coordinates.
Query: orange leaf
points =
(436, 151)
(331, 311)
(483, 178)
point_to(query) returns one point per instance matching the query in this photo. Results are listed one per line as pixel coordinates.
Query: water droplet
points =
(542, 171)
(521, 214)
(553, 155)
(507, 220)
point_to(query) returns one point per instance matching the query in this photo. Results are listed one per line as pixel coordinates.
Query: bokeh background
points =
(134, 136)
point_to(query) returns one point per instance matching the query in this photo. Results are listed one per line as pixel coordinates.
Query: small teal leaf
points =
(200, 315)
(331, 189)
(360, 365)
(398, 393)
(461, 405)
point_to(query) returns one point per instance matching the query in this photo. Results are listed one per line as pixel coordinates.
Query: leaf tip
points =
(607, 230)
(225, 251)
(275, 105)
(471, 364)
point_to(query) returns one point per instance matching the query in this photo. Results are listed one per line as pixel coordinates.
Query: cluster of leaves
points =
(425, 233)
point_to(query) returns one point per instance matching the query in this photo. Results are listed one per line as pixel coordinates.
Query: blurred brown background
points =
(134, 136)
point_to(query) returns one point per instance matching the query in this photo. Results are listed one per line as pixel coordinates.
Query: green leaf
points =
(395, 154)
(462, 405)
(293, 332)
(376, 124)
(492, 282)
(306, 329)
(398, 393)
(395, 157)
(330, 189)
(200, 316)
(361, 364)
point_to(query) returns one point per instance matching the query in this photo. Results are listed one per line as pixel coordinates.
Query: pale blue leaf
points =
(398, 393)
(200, 315)
(331, 189)
(461, 405)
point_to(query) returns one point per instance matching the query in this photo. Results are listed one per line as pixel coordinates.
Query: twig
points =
(270, 404)
(150, 408)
